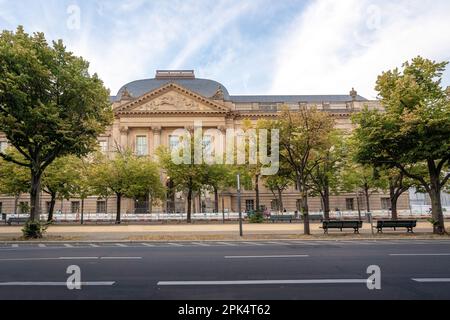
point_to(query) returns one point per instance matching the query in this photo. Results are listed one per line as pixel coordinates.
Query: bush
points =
(256, 217)
(34, 229)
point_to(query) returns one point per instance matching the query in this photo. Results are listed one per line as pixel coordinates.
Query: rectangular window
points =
(75, 207)
(249, 205)
(174, 142)
(141, 146)
(385, 204)
(350, 204)
(208, 146)
(103, 146)
(101, 206)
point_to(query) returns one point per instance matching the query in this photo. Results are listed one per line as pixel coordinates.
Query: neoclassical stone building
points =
(147, 112)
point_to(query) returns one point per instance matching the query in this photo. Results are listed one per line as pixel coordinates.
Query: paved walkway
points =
(195, 231)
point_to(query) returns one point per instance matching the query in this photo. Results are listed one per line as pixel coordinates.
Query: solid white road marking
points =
(52, 284)
(431, 280)
(419, 254)
(261, 282)
(267, 257)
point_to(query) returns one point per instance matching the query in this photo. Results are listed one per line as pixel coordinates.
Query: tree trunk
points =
(200, 207)
(52, 207)
(216, 200)
(189, 212)
(304, 206)
(35, 192)
(436, 201)
(394, 210)
(367, 195)
(258, 207)
(280, 200)
(16, 203)
(82, 211)
(326, 203)
(119, 200)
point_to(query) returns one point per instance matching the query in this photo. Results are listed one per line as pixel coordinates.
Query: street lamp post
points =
(241, 233)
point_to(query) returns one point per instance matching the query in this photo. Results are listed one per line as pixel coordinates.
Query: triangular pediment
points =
(172, 99)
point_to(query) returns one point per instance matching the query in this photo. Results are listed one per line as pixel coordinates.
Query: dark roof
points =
(294, 99)
(204, 87)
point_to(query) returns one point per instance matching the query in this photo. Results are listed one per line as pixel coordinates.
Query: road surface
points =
(276, 270)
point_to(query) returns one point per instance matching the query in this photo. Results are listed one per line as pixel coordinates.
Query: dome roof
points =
(204, 87)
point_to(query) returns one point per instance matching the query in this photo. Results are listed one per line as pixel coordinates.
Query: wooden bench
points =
(355, 225)
(408, 224)
(17, 221)
(283, 218)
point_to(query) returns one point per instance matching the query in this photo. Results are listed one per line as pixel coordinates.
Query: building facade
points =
(148, 112)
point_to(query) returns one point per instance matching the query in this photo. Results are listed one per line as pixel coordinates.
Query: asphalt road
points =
(279, 270)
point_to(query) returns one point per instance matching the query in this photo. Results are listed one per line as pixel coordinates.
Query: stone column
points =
(156, 139)
(124, 137)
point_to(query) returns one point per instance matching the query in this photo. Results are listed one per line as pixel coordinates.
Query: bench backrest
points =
(396, 223)
(342, 224)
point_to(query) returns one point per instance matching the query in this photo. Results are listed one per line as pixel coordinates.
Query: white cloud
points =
(335, 45)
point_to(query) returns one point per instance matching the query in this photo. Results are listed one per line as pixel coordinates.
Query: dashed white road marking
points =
(261, 282)
(93, 245)
(253, 243)
(418, 254)
(42, 245)
(68, 245)
(307, 243)
(201, 244)
(121, 258)
(268, 257)
(54, 284)
(175, 244)
(14, 246)
(121, 245)
(430, 280)
(276, 243)
(227, 244)
(147, 245)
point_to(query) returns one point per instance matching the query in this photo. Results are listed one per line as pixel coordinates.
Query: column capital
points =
(157, 129)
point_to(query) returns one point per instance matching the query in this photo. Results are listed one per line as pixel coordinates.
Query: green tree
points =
(324, 179)
(186, 178)
(278, 184)
(413, 130)
(50, 106)
(303, 134)
(125, 176)
(60, 181)
(14, 179)
(218, 177)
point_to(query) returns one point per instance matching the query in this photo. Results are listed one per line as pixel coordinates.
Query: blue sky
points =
(252, 47)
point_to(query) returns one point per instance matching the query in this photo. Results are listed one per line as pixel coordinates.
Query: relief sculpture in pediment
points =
(172, 102)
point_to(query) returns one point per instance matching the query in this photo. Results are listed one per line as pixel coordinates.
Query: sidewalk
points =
(204, 232)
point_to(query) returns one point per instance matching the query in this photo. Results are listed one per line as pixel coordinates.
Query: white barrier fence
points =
(415, 212)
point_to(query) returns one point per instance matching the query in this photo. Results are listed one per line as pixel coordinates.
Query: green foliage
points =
(414, 130)
(50, 106)
(34, 229)
(14, 179)
(256, 217)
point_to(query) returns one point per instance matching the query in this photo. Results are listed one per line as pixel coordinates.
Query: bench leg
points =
(380, 230)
